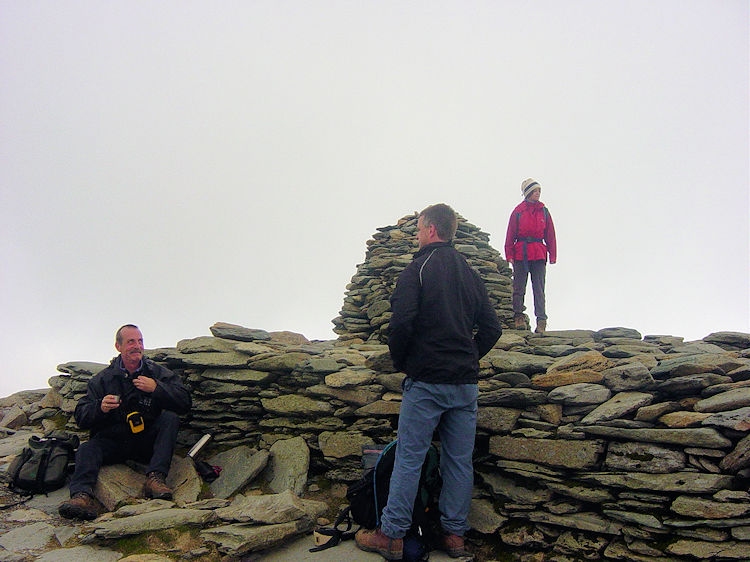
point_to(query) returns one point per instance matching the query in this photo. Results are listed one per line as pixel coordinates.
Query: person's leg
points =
(160, 443)
(90, 457)
(520, 275)
(457, 429)
(538, 270)
(418, 418)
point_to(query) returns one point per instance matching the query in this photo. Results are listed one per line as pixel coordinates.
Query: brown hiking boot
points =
(373, 540)
(454, 546)
(80, 506)
(519, 322)
(156, 487)
(541, 326)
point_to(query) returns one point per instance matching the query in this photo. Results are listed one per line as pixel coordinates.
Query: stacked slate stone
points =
(366, 310)
(590, 444)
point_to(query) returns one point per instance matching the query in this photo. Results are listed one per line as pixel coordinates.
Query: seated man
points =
(131, 409)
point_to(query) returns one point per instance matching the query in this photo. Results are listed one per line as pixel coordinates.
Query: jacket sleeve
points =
(510, 236)
(88, 412)
(170, 392)
(549, 239)
(404, 308)
(488, 326)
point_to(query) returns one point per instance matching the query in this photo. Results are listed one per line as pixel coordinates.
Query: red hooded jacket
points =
(529, 228)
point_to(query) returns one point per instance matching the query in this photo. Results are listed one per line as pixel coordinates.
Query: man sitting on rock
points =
(131, 409)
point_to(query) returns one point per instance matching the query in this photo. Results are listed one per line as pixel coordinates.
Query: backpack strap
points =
(336, 535)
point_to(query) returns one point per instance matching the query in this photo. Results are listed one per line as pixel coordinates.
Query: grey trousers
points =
(521, 270)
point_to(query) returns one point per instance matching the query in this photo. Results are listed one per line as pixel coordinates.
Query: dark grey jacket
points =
(170, 394)
(438, 302)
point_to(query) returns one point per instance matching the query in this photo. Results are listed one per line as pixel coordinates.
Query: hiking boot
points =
(373, 540)
(454, 546)
(541, 326)
(80, 506)
(519, 322)
(156, 487)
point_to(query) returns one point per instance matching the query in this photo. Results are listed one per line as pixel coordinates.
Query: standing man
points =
(438, 302)
(529, 229)
(131, 409)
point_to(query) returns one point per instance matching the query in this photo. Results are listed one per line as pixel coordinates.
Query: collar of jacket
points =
(431, 247)
(534, 205)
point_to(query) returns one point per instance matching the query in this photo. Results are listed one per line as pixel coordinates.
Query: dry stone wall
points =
(366, 310)
(591, 444)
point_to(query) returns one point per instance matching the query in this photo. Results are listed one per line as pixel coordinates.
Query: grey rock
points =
(350, 376)
(271, 508)
(580, 394)
(643, 519)
(287, 466)
(512, 361)
(643, 457)
(204, 344)
(483, 518)
(238, 539)
(738, 420)
(238, 333)
(739, 458)
(583, 521)
(580, 492)
(618, 332)
(554, 452)
(143, 507)
(497, 420)
(117, 484)
(512, 397)
(737, 340)
(632, 376)
(240, 465)
(28, 537)
(86, 368)
(78, 554)
(685, 482)
(699, 437)
(691, 383)
(618, 406)
(701, 508)
(151, 521)
(14, 418)
(730, 400)
(340, 444)
(708, 550)
(295, 405)
(514, 491)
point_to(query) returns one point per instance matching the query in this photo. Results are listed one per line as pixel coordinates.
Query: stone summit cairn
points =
(367, 310)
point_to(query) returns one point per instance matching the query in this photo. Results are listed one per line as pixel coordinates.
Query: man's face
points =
(423, 233)
(131, 346)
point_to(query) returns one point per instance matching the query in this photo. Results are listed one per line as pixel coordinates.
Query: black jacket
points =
(170, 394)
(438, 302)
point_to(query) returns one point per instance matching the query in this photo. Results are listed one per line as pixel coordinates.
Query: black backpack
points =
(44, 465)
(368, 496)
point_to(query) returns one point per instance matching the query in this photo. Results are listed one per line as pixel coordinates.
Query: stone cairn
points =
(367, 310)
(590, 444)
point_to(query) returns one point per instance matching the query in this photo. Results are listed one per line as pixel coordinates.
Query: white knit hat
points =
(528, 186)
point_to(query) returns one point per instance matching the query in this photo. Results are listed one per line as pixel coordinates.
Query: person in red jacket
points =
(530, 237)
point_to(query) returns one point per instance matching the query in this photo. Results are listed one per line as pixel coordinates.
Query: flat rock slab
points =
(238, 333)
(287, 466)
(700, 508)
(239, 539)
(687, 482)
(700, 437)
(28, 537)
(618, 406)
(730, 400)
(553, 452)
(271, 508)
(80, 554)
(152, 521)
(643, 457)
(580, 394)
(240, 466)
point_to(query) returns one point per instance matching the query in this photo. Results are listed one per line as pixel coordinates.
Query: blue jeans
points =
(452, 409)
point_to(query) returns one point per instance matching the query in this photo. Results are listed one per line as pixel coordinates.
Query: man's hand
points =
(110, 402)
(145, 384)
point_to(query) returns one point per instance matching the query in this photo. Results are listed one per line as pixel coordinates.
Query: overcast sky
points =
(175, 164)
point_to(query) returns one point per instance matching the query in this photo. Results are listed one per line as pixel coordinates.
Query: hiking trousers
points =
(154, 445)
(452, 409)
(521, 271)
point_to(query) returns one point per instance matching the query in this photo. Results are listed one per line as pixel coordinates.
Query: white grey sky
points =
(174, 164)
